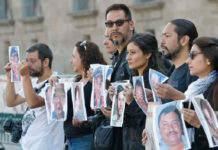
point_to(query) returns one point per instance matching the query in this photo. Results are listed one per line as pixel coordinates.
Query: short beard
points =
(174, 54)
(118, 43)
(38, 73)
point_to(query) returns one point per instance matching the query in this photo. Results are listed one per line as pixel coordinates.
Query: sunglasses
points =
(193, 54)
(83, 44)
(118, 23)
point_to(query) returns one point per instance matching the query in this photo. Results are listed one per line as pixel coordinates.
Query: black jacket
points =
(134, 123)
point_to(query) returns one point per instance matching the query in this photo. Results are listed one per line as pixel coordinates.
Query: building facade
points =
(60, 24)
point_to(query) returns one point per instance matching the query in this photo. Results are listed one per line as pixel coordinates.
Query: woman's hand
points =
(90, 74)
(144, 137)
(77, 123)
(191, 117)
(53, 80)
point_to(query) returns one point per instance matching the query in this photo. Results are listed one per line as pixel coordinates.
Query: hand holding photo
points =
(156, 77)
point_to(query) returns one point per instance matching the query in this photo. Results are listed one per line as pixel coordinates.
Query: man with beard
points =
(176, 43)
(36, 132)
(120, 28)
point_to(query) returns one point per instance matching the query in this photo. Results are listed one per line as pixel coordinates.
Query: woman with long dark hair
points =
(142, 54)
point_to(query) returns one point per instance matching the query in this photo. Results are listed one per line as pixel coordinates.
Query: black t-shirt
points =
(180, 79)
(69, 129)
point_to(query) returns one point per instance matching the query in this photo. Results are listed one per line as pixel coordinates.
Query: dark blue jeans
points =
(80, 143)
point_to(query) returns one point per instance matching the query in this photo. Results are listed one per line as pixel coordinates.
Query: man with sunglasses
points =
(120, 28)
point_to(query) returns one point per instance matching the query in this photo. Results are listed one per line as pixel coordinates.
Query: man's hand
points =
(111, 92)
(191, 117)
(144, 137)
(7, 68)
(23, 69)
(128, 93)
(166, 91)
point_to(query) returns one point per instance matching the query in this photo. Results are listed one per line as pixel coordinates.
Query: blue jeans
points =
(80, 143)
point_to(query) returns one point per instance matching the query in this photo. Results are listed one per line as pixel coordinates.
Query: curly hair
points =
(89, 54)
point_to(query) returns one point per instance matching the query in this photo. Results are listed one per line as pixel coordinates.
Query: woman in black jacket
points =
(142, 53)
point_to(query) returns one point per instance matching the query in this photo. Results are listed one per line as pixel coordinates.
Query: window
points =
(3, 9)
(81, 5)
(30, 8)
(141, 1)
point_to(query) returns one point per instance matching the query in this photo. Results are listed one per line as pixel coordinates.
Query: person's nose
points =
(128, 57)
(163, 41)
(105, 42)
(188, 61)
(71, 60)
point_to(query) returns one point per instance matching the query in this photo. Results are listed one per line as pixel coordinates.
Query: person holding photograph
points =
(78, 134)
(141, 55)
(37, 133)
(59, 102)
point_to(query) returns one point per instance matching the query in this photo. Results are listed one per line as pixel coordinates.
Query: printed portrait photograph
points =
(207, 118)
(79, 109)
(59, 102)
(118, 105)
(140, 94)
(14, 59)
(98, 88)
(156, 77)
(170, 130)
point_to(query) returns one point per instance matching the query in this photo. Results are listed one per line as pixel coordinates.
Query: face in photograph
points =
(208, 115)
(140, 95)
(78, 101)
(154, 79)
(98, 81)
(170, 127)
(59, 101)
(14, 62)
(121, 104)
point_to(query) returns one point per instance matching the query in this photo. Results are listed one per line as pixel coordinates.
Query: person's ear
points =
(148, 55)
(46, 62)
(184, 40)
(131, 25)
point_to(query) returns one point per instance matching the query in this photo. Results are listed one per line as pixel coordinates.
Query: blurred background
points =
(62, 23)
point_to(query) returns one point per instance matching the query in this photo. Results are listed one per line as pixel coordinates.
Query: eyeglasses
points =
(193, 54)
(118, 23)
(83, 44)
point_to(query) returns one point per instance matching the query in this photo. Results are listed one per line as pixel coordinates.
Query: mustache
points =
(115, 33)
(163, 47)
(172, 132)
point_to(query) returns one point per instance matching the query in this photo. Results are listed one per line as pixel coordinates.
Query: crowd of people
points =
(189, 61)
